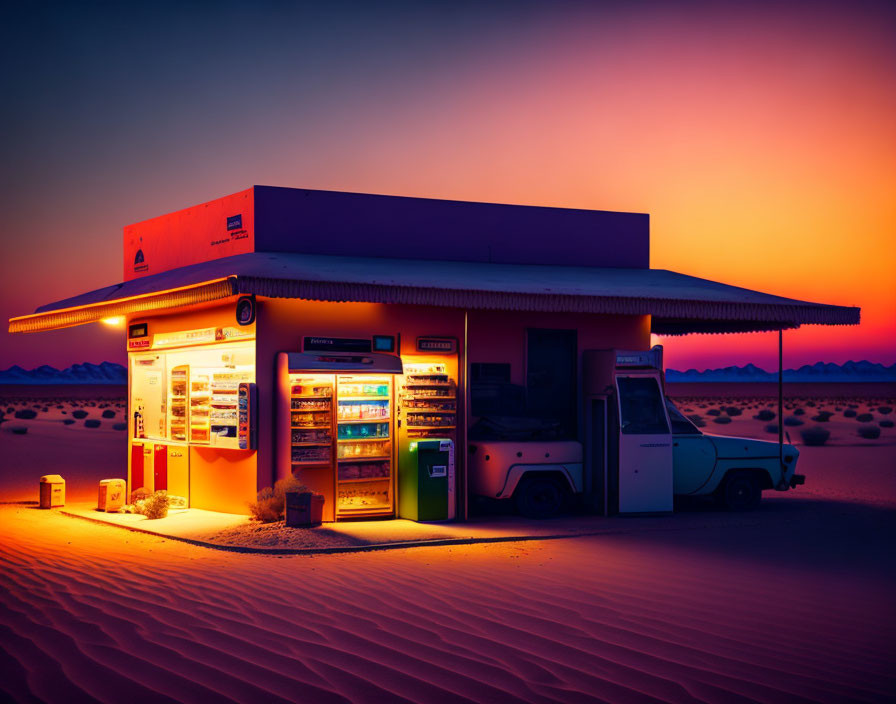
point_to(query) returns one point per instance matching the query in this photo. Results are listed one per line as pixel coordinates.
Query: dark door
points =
(551, 378)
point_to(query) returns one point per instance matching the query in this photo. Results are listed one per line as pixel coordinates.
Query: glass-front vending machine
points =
(336, 429)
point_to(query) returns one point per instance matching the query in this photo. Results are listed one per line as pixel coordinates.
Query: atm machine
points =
(628, 439)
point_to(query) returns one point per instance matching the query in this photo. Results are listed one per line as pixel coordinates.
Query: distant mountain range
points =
(105, 373)
(820, 372)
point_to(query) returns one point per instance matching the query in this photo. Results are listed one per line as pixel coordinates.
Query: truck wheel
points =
(741, 492)
(539, 497)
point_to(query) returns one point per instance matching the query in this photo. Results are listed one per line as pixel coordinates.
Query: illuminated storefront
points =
(332, 335)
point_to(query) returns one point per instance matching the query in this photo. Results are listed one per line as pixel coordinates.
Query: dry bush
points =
(722, 420)
(713, 412)
(869, 432)
(771, 428)
(156, 505)
(822, 417)
(91, 423)
(270, 504)
(26, 414)
(815, 436)
(108, 414)
(849, 413)
(79, 414)
(765, 415)
(799, 412)
(886, 410)
(19, 429)
(885, 423)
(793, 421)
(864, 418)
(733, 411)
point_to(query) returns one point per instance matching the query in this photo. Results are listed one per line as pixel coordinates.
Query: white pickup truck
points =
(541, 477)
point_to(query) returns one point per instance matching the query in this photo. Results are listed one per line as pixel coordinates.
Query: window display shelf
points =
(309, 463)
(365, 479)
(381, 438)
(379, 458)
(321, 443)
(363, 398)
(309, 427)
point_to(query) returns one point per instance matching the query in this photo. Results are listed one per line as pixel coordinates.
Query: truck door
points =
(645, 445)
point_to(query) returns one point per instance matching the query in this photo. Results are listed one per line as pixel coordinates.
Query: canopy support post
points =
(781, 402)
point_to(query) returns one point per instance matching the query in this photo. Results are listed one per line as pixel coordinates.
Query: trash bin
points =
(111, 496)
(304, 509)
(52, 491)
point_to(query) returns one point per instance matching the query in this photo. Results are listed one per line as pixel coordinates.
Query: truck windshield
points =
(680, 424)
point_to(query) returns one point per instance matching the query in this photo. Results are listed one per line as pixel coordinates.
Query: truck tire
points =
(742, 491)
(539, 497)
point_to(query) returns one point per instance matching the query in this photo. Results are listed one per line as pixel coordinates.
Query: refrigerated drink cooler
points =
(337, 429)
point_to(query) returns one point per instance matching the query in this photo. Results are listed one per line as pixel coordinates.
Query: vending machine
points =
(336, 429)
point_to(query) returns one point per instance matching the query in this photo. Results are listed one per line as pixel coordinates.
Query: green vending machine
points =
(426, 480)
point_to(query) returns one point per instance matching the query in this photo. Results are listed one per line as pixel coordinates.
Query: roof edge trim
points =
(79, 315)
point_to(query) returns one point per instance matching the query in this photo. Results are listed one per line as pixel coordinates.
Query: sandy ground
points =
(790, 603)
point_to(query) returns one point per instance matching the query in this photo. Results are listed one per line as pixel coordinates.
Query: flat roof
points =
(678, 304)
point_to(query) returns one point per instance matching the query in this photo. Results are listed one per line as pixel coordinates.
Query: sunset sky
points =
(760, 138)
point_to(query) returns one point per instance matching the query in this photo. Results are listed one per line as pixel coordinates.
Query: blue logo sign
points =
(235, 222)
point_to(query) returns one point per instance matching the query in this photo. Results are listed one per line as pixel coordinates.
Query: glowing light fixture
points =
(114, 321)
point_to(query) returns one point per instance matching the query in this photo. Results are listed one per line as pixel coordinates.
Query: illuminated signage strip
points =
(183, 338)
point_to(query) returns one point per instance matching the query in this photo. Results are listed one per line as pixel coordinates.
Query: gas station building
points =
(343, 336)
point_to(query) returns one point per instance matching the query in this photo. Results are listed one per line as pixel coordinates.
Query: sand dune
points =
(90, 612)
(791, 603)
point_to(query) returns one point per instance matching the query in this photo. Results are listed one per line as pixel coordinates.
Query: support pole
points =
(781, 401)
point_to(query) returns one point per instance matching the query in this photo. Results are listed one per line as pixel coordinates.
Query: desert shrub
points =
(19, 429)
(119, 426)
(108, 414)
(10, 410)
(156, 505)
(771, 428)
(722, 420)
(864, 417)
(91, 423)
(869, 432)
(810, 403)
(265, 508)
(793, 421)
(886, 410)
(138, 495)
(799, 412)
(849, 413)
(26, 414)
(815, 436)
(68, 421)
(697, 420)
(838, 408)
(79, 414)
(714, 412)
(270, 503)
(765, 415)
(822, 417)
(885, 423)
(733, 411)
